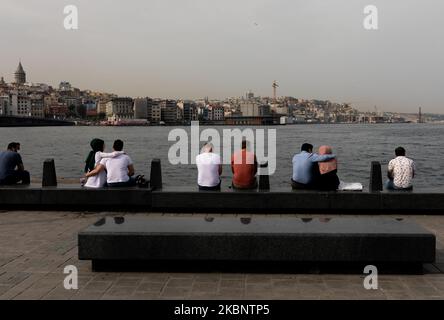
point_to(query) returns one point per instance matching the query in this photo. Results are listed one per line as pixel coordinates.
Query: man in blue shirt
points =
(11, 166)
(305, 167)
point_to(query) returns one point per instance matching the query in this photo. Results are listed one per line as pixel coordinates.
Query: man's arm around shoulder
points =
(321, 158)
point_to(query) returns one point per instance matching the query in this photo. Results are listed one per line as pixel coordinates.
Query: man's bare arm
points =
(390, 174)
(130, 170)
(96, 171)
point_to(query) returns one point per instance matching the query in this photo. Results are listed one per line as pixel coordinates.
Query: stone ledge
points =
(191, 200)
(298, 202)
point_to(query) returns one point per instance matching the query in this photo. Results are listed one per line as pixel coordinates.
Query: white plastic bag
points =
(350, 186)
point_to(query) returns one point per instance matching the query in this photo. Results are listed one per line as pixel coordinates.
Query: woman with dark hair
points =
(94, 157)
(97, 145)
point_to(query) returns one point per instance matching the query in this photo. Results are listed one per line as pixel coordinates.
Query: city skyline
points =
(19, 77)
(314, 50)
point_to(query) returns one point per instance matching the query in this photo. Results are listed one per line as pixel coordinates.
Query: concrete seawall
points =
(190, 201)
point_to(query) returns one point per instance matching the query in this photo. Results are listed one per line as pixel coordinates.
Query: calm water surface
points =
(355, 145)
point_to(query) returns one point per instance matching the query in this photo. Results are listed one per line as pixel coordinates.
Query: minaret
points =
(20, 74)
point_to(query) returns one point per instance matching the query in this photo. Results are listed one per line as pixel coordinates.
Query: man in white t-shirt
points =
(401, 171)
(209, 167)
(120, 169)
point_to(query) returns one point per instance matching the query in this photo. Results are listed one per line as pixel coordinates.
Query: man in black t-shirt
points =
(12, 170)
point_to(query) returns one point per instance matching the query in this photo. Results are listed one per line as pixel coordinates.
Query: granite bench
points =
(120, 242)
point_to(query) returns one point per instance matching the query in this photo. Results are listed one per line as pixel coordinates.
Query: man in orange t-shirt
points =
(244, 168)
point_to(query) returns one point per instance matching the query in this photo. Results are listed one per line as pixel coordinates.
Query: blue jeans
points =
(390, 185)
(16, 177)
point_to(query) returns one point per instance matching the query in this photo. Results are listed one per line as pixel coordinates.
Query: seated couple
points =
(315, 171)
(243, 167)
(114, 169)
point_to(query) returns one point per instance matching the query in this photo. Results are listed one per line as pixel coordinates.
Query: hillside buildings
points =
(25, 99)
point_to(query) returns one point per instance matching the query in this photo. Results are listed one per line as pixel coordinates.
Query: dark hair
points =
(118, 145)
(307, 147)
(399, 151)
(96, 146)
(244, 144)
(12, 146)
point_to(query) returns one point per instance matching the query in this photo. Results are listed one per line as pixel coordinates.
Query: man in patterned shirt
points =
(401, 171)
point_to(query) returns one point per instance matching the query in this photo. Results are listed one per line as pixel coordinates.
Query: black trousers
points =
(215, 188)
(252, 187)
(16, 177)
(328, 181)
(300, 186)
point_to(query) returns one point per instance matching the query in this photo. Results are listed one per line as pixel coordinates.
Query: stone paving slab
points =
(36, 246)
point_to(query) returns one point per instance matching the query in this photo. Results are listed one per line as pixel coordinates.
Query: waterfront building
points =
(57, 111)
(4, 105)
(298, 118)
(264, 110)
(37, 106)
(50, 100)
(189, 110)
(249, 109)
(120, 109)
(214, 113)
(20, 105)
(101, 106)
(218, 113)
(72, 101)
(141, 108)
(155, 111)
(90, 106)
(171, 113)
(20, 75)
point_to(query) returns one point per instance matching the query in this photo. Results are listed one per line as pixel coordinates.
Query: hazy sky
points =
(196, 48)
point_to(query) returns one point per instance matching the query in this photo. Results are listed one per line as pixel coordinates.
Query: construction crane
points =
(275, 86)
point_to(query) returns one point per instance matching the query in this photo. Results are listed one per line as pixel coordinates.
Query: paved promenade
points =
(36, 246)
